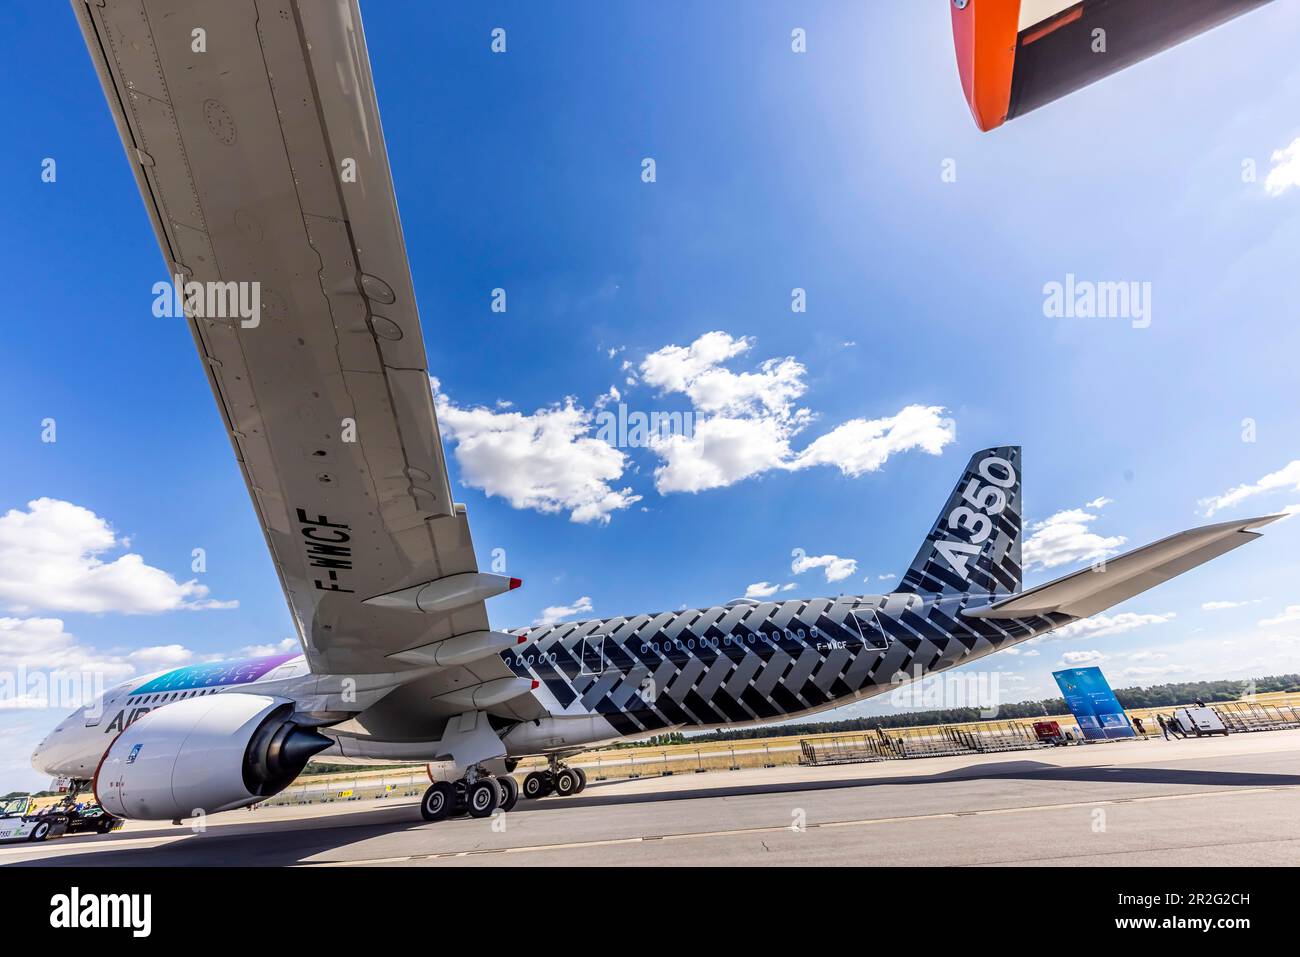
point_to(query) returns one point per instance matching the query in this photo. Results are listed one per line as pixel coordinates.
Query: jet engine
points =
(205, 754)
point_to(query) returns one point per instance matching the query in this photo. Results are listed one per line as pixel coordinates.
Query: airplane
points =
(1014, 56)
(325, 396)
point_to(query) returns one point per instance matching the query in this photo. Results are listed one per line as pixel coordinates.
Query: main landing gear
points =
(477, 794)
(559, 779)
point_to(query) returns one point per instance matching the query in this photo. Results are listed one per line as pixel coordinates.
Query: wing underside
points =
(262, 164)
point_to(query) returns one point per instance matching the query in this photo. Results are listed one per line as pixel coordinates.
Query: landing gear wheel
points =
(566, 783)
(105, 826)
(537, 784)
(582, 780)
(510, 790)
(482, 797)
(40, 832)
(438, 802)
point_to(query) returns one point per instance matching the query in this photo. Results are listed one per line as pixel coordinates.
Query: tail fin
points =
(974, 545)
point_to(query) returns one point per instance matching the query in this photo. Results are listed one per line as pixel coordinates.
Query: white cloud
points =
(761, 590)
(1100, 501)
(1223, 605)
(1099, 626)
(613, 395)
(745, 421)
(545, 461)
(741, 424)
(720, 452)
(836, 568)
(1149, 673)
(1286, 169)
(282, 647)
(52, 557)
(41, 647)
(557, 613)
(1287, 477)
(1065, 538)
(1082, 659)
(884, 578)
(864, 445)
(1291, 613)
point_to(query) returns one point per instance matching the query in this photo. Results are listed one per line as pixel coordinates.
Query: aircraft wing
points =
(253, 132)
(1017, 55)
(1111, 582)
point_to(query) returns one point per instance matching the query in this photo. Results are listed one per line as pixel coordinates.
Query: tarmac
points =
(1213, 801)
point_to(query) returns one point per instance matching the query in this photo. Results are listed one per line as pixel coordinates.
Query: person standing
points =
(1164, 725)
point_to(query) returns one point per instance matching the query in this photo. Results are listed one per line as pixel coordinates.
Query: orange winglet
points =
(984, 34)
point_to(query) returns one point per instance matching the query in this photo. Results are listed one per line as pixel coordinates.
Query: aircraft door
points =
(593, 655)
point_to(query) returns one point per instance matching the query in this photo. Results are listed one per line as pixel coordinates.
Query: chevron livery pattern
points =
(755, 661)
(974, 545)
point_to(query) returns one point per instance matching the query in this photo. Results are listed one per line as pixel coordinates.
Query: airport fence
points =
(936, 741)
(1250, 716)
(360, 788)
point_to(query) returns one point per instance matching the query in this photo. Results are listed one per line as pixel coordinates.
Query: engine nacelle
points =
(206, 754)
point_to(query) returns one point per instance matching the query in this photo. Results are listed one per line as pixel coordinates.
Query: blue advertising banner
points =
(1093, 704)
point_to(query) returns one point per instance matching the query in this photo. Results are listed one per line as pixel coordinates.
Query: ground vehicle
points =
(1200, 721)
(1049, 732)
(84, 817)
(18, 823)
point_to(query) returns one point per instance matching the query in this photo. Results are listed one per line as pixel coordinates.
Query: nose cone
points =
(66, 754)
(38, 756)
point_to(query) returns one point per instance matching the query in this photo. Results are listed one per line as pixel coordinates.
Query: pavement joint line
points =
(1032, 861)
(768, 829)
(15, 850)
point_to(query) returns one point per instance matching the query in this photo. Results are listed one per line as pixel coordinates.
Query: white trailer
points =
(1200, 721)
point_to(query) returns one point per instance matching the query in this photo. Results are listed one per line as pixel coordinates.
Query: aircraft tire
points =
(536, 785)
(510, 792)
(483, 797)
(439, 801)
(566, 783)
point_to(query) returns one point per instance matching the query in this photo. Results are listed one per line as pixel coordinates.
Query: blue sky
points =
(774, 170)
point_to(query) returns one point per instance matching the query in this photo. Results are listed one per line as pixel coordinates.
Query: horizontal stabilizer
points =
(1110, 582)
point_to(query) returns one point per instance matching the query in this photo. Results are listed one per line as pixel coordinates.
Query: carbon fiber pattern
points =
(974, 544)
(752, 662)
